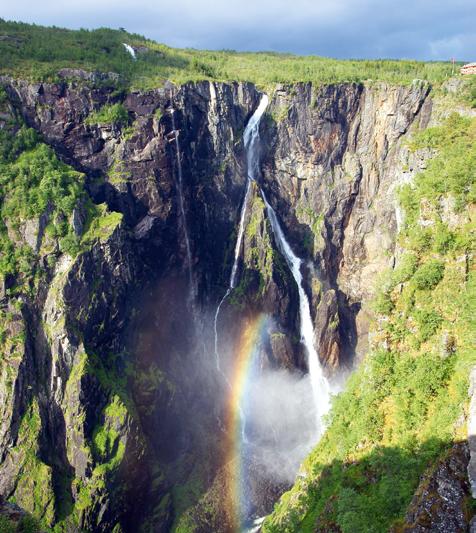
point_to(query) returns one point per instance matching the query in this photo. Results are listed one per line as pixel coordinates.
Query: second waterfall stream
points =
(320, 386)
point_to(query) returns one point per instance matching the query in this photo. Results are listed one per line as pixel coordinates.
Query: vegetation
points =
(401, 411)
(115, 114)
(471, 92)
(37, 52)
(38, 195)
(33, 184)
(26, 524)
(34, 489)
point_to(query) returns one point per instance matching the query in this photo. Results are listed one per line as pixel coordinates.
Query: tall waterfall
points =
(181, 202)
(251, 141)
(320, 385)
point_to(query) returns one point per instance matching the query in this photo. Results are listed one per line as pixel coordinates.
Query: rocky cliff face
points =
(105, 362)
(335, 159)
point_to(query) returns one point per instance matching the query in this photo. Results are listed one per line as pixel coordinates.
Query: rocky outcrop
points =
(440, 502)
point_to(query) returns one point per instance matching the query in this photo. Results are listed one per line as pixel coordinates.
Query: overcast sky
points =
(420, 29)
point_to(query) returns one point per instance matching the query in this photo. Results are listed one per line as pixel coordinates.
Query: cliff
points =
(104, 353)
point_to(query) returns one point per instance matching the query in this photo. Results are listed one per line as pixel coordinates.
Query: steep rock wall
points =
(329, 165)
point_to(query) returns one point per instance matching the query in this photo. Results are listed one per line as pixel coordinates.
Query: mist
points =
(280, 422)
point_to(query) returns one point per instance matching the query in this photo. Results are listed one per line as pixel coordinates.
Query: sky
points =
(418, 29)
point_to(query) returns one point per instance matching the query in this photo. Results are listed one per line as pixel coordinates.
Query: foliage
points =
(471, 92)
(33, 184)
(401, 410)
(36, 186)
(25, 524)
(115, 114)
(107, 446)
(38, 52)
(34, 488)
(453, 172)
(429, 274)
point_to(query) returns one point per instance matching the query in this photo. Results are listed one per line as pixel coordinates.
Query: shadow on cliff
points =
(424, 489)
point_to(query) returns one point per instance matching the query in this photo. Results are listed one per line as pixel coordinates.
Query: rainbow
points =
(245, 353)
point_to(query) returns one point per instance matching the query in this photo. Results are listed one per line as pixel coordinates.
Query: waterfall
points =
(181, 202)
(131, 50)
(320, 385)
(251, 142)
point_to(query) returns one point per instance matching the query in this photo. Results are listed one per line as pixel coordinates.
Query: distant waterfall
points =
(251, 142)
(131, 50)
(320, 386)
(181, 202)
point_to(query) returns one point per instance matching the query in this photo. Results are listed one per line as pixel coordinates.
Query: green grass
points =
(37, 52)
(115, 114)
(401, 410)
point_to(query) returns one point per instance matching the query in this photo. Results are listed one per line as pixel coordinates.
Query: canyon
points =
(120, 379)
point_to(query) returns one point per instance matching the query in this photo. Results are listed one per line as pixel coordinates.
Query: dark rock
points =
(439, 504)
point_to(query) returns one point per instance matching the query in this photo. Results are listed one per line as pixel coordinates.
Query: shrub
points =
(6, 525)
(405, 269)
(428, 322)
(70, 244)
(115, 114)
(28, 524)
(429, 274)
(444, 239)
(382, 303)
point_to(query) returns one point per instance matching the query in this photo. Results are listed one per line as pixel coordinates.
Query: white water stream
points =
(251, 141)
(181, 202)
(131, 50)
(320, 386)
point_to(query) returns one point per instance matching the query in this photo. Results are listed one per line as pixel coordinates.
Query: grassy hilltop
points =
(37, 52)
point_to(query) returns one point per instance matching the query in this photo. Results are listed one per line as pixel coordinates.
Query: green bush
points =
(428, 323)
(110, 114)
(429, 274)
(444, 239)
(70, 244)
(405, 268)
(6, 525)
(383, 303)
(28, 524)
(472, 92)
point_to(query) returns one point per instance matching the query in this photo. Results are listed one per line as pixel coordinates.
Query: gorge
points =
(195, 287)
